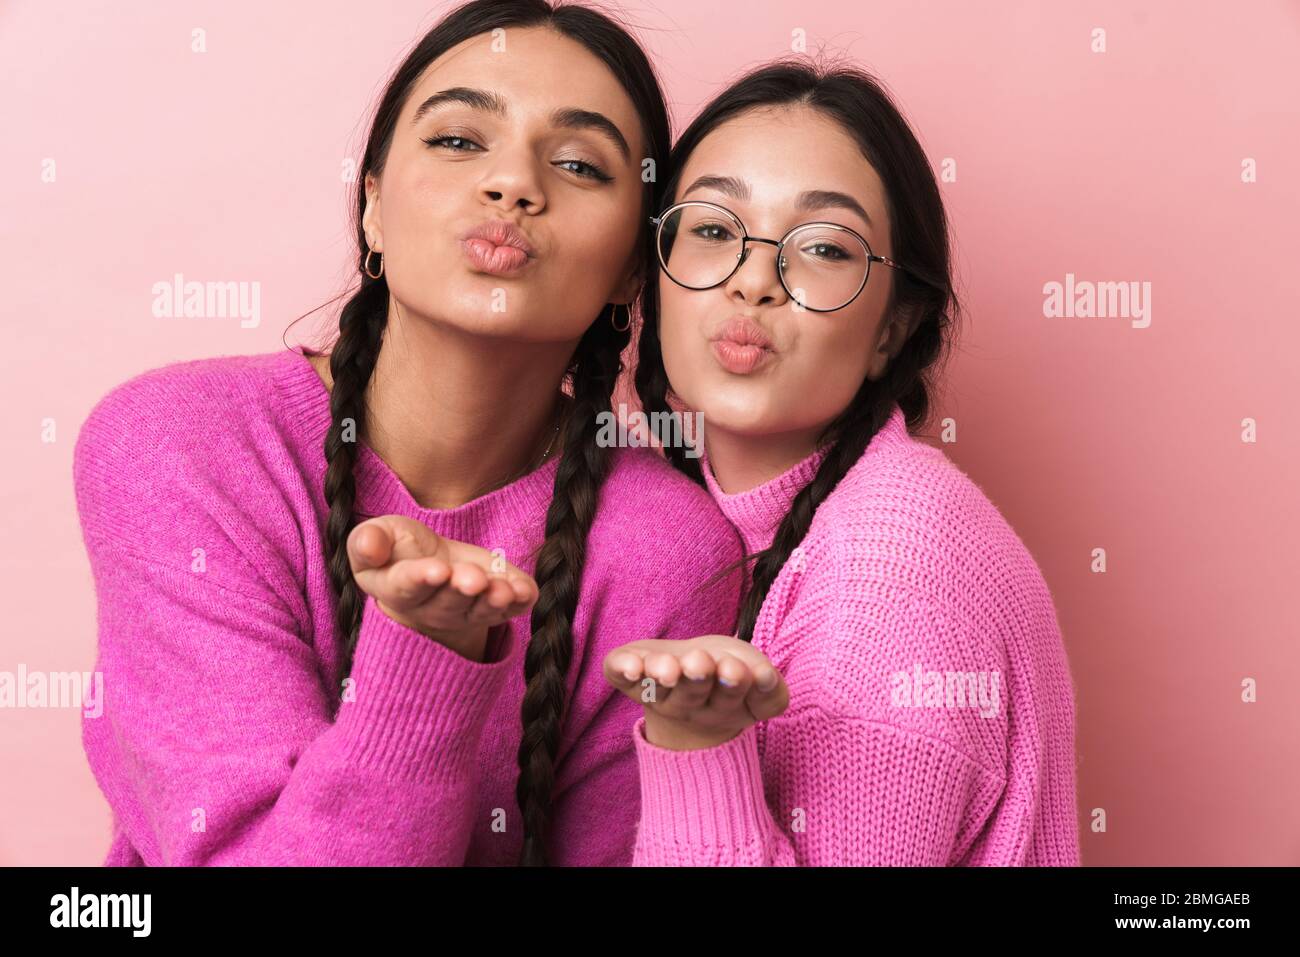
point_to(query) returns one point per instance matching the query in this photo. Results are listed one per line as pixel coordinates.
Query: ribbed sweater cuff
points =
(708, 798)
(418, 707)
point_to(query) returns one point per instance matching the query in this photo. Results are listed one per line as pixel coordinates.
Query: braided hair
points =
(859, 103)
(590, 377)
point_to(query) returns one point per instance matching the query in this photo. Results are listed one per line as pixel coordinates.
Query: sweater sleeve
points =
(220, 737)
(596, 807)
(861, 794)
(705, 808)
(856, 788)
(216, 746)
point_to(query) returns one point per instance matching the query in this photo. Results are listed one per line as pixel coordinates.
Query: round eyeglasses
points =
(822, 266)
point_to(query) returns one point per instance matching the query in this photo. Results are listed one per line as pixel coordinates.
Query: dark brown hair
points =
(919, 235)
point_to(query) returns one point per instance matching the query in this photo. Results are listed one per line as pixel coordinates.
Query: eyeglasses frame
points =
(657, 222)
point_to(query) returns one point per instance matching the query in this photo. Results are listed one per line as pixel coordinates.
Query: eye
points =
(448, 142)
(825, 250)
(592, 171)
(712, 232)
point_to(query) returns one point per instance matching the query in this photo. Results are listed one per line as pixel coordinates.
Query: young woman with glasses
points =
(913, 703)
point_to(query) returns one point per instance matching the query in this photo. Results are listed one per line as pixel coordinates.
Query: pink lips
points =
(497, 247)
(741, 346)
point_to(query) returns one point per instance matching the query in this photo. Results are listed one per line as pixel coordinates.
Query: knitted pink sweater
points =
(931, 717)
(200, 491)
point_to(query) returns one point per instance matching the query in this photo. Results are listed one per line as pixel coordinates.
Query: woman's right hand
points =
(451, 591)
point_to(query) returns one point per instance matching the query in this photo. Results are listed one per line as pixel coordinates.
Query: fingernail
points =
(768, 681)
(725, 683)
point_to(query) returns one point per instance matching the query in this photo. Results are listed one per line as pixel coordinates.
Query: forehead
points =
(781, 152)
(535, 69)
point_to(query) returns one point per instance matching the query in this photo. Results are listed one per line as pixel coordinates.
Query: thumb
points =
(409, 538)
(768, 703)
(370, 545)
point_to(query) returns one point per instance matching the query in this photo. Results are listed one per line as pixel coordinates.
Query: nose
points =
(756, 281)
(511, 180)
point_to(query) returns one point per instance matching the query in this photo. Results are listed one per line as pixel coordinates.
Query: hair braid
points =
(652, 389)
(558, 574)
(352, 362)
(855, 435)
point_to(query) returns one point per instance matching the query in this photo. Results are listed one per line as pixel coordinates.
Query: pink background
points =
(1123, 165)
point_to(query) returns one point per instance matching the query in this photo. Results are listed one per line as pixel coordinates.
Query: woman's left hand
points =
(700, 692)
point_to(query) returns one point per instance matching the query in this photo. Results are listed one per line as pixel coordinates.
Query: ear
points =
(371, 221)
(630, 286)
(893, 336)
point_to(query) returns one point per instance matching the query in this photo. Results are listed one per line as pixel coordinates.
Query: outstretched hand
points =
(700, 692)
(449, 590)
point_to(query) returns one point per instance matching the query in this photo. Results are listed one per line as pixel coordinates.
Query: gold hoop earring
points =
(613, 318)
(366, 265)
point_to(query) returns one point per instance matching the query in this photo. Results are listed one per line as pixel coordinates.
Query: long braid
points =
(858, 428)
(558, 573)
(652, 389)
(352, 362)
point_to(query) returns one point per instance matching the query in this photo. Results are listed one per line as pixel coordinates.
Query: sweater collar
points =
(522, 504)
(757, 512)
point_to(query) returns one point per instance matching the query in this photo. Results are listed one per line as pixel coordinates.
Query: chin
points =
(742, 412)
(472, 311)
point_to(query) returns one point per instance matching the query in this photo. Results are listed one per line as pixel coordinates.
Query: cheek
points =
(828, 364)
(593, 246)
(681, 338)
(418, 237)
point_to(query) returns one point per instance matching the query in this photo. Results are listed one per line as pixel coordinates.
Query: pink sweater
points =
(931, 717)
(199, 487)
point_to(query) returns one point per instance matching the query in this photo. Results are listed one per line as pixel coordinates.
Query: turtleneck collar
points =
(757, 512)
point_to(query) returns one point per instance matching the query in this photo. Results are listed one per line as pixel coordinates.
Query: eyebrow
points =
(566, 117)
(806, 201)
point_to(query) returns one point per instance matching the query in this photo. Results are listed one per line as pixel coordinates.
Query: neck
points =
(741, 461)
(456, 415)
